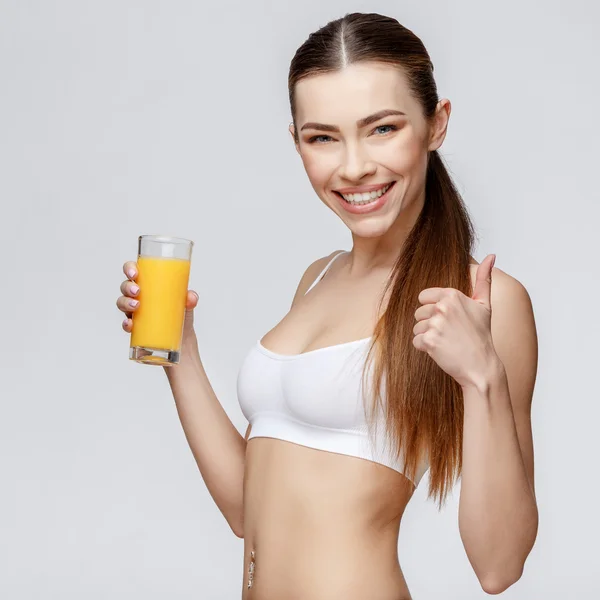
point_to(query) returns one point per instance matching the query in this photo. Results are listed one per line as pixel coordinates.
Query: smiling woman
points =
(395, 358)
(367, 124)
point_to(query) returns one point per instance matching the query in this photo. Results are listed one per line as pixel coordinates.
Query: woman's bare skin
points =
(323, 525)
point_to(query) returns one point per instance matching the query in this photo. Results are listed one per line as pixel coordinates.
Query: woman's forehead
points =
(352, 93)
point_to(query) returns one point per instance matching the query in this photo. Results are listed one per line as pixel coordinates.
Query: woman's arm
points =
(216, 444)
(498, 517)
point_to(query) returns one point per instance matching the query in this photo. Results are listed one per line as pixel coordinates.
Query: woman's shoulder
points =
(311, 273)
(504, 285)
(501, 276)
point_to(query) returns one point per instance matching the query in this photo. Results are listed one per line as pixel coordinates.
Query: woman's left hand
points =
(455, 330)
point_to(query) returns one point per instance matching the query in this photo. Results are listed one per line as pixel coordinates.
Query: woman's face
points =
(342, 155)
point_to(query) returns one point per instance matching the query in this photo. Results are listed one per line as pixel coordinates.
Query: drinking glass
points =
(163, 274)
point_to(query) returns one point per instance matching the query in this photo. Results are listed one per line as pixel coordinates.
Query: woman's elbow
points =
(496, 584)
(237, 526)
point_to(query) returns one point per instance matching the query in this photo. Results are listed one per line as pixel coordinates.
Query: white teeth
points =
(367, 197)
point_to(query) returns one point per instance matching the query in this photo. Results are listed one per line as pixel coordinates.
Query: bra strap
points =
(324, 271)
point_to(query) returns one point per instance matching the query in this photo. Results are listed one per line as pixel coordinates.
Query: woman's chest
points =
(326, 387)
(329, 315)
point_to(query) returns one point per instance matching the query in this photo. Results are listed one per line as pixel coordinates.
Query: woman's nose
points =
(356, 164)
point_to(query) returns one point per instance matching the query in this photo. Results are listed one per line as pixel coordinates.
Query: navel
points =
(251, 567)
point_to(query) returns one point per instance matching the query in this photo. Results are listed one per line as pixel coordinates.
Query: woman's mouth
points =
(364, 203)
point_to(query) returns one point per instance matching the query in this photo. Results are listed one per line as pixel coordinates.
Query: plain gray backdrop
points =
(121, 118)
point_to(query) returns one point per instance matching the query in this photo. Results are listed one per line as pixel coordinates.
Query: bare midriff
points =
(320, 525)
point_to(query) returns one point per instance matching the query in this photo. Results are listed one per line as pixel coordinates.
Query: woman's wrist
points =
(188, 353)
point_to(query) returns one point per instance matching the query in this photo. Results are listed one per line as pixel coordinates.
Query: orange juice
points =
(158, 320)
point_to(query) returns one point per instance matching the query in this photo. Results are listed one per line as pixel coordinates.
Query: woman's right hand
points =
(130, 291)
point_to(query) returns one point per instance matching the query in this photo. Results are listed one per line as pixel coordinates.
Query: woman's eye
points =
(318, 139)
(313, 139)
(392, 127)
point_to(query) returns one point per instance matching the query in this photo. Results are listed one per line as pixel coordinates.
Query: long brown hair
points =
(424, 405)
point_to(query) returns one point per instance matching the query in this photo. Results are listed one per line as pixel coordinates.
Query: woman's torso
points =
(322, 525)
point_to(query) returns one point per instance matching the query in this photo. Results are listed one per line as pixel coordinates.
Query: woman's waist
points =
(324, 523)
(309, 548)
(308, 488)
(279, 565)
(310, 586)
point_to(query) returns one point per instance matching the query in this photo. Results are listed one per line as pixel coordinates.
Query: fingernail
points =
(131, 273)
(197, 297)
(125, 322)
(135, 289)
(133, 303)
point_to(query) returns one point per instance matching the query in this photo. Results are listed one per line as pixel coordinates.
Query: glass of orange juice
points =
(163, 273)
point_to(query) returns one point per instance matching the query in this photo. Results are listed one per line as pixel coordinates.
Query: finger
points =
(130, 269)
(127, 305)
(483, 280)
(127, 325)
(431, 295)
(191, 300)
(129, 288)
(421, 327)
(425, 312)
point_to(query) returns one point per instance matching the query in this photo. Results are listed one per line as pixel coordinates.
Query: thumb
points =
(483, 281)
(191, 300)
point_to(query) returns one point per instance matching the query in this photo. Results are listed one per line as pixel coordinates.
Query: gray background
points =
(123, 118)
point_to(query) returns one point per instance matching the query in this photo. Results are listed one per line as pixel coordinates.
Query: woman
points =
(395, 362)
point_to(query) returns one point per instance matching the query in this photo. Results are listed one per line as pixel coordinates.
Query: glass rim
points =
(165, 239)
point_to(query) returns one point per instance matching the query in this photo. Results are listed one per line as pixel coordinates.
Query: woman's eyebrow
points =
(386, 112)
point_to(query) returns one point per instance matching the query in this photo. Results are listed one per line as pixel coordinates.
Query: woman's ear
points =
(439, 124)
(292, 131)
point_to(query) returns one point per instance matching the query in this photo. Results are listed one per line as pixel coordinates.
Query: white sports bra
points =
(314, 399)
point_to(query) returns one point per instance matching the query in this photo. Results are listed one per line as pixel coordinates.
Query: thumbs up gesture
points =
(455, 330)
